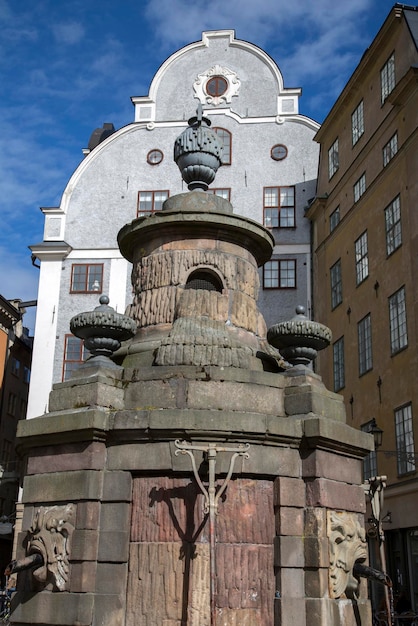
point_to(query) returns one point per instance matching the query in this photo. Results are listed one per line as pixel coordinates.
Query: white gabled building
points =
(269, 175)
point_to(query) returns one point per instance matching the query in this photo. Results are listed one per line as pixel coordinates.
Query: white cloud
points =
(68, 32)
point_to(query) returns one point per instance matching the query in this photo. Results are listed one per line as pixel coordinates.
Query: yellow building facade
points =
(365, 266)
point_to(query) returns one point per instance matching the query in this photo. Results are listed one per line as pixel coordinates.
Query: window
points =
(11, 404)
(26, 375)
(223, 193)
(359, 187)
(334, 219)
(23, 409)
(357, 123)
(397, 321)
(404, 439)
(74, 355)
(370, 461)
(150, 201)
(278, 152)
(279, 207)
(279, 274)
(226, 139)
(154, 157)
(387, 78)
(339, 369)
(336, 284)
(362, 259)
(333, 160)
(390, 149)
(393, 225)
(364, 330)
(6, 452)
(86, 277)
(15, 366)
(204, 279)
(216, 86)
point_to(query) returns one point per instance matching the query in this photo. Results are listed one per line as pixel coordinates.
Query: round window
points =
(279, 152)
(154, 157)
(216, 86)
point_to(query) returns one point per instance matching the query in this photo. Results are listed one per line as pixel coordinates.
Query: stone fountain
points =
(200, 473)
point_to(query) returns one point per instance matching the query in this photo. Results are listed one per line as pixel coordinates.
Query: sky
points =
(68, 67)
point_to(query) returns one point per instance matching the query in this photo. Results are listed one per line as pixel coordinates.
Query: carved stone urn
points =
(198, 152)
(299, 339)
(103, 330)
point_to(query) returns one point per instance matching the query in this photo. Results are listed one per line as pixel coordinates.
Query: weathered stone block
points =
(289, 521)
(144, 395)
(333, 495)
(288, 552)
(290, 582)
(60, 609)
(289, 492)
(231, 396)
(67, 457)
(88, 515)
(317, 583)
(111, 578)
(84, 393)
(113, 546)
(117, 486)
(115, 516)
(290, 611)
(84, 545)
(315, 522)
(109, 610)
(83, 577)
(305, 399)
(316, 552)
(63, 486)
(324, 464)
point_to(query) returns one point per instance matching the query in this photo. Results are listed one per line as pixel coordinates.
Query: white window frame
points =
(359, 187)
(390, 149)
(404, 434)
(336, 284)
(357, 123)
(333, 159)
(393, 226)
(338, 364)
(362, 258)
(365, 355)
(397, 321)
(387, 78)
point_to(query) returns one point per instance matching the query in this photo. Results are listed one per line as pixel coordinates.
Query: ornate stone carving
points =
(347, 545)
(231, 78)
(50, 536)
(198, 152)
(299, 339)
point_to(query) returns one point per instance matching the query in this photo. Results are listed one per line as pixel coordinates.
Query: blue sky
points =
(67, 67)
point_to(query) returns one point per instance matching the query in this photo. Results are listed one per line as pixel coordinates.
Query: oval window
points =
(216, 86)
(154, 157)
(279, 152)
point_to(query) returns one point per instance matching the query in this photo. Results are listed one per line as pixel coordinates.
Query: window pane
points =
(339, 369)
(271, 197)
(404, 439)
(362, 260)
(390, 149)
(397, 320)
(357, 123)
(333, 160)
(336, 284)
(387, 78)
(364, 331)
(287, 274)
(334, 219)
(226, 139)
(393, 226)
(79, 278)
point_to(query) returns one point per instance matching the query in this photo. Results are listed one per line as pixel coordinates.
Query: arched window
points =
(226, 138)
(204, 279)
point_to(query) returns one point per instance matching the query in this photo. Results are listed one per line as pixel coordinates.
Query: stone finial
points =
(103, 330)
(198, 152)
(299, 339)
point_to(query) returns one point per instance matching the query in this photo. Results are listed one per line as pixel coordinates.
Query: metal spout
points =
(364, 571)
(32, 560)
